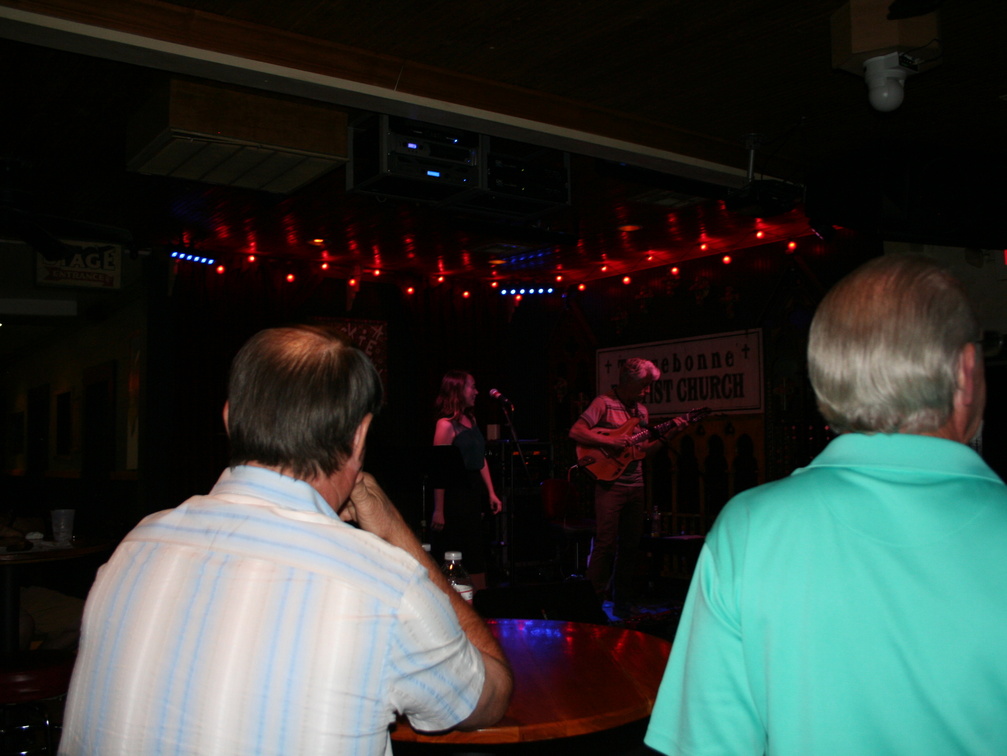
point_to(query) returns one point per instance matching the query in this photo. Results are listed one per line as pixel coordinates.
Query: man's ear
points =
(967, 366)
(970, 396)
(227, 409)
(360, 439)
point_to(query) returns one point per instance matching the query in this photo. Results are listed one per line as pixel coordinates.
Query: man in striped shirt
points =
(256, 619)
(618, 503)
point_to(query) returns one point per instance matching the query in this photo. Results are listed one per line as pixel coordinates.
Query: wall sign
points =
(722, 372)
(88, 265)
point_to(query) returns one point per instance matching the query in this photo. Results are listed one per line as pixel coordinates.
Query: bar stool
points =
(33, 686)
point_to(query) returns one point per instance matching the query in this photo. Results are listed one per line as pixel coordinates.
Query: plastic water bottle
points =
(455, 572)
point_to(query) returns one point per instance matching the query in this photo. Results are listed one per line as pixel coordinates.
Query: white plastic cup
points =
(62, 525)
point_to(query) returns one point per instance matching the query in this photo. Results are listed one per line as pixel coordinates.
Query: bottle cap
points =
(452, 556)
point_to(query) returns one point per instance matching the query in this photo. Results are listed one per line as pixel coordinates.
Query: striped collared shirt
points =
(608, 411)
(253, 621)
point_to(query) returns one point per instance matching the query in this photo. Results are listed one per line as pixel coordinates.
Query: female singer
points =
(458, 512)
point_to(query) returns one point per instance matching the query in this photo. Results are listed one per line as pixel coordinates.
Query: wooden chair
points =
(565, 513)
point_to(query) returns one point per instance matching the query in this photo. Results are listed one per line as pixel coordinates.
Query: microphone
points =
(500, 397)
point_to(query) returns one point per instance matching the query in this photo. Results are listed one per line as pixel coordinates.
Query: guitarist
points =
(619, 504)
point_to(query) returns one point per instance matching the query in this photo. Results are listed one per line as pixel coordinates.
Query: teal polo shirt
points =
(857, 607)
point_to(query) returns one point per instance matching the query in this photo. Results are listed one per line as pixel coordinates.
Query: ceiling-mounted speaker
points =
(209, 133)
(455, 169)
(397, 157)
(765, 198)
(518, 180)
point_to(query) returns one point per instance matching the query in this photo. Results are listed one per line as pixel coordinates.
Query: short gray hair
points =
(636, 368)
(885, 343)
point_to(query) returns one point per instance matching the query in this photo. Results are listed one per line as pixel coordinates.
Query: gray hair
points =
(885, 343)
(636, 368)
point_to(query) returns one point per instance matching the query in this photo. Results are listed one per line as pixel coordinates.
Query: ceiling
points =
(653, 101)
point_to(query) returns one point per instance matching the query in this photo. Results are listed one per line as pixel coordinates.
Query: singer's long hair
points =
(451, 399)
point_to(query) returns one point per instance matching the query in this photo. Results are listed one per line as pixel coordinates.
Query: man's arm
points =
(371, 509)
(585, 435)
(706, 702)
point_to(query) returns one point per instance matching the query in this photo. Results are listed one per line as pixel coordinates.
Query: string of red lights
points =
(410, 282)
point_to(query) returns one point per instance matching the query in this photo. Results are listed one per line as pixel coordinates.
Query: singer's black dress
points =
(465, 505)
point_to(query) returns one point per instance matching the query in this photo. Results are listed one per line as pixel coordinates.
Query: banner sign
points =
(722, 372)
(88, 265)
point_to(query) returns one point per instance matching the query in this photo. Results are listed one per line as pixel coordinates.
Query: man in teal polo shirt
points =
(859, 606)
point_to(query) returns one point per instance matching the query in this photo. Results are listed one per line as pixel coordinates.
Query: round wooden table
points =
(10, 599)
(570, 678)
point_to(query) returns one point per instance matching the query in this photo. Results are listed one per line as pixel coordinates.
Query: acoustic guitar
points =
(607, 465)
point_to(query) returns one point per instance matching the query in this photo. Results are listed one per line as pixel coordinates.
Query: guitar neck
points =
(660, 429)
(655, 431)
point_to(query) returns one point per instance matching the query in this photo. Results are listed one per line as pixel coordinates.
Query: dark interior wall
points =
(768, 287)
(994, 433)
(539, 353)
(759, 287)
(200, 321)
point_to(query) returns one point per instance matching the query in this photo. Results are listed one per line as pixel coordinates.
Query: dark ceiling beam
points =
(181, 40)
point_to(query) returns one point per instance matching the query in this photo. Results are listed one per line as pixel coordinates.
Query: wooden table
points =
(10, 598)
(570, 678)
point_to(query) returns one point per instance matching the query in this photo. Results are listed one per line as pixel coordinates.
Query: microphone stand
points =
(509, 487)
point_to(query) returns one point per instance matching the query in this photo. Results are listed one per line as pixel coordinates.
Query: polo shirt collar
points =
(903, 451)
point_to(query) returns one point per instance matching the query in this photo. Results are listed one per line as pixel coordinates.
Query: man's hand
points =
(372, 510)
(615, 443)
(585, 436)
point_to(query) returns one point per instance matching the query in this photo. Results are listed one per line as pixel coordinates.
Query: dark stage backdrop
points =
(539, 353)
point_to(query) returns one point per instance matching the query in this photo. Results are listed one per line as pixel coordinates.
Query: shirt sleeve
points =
(705, 705)
(595, 412)
(438, 674)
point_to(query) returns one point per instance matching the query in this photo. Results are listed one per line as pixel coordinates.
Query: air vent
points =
(207, 133)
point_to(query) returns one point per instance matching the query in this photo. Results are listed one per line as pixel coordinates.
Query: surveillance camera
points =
(885, 82)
